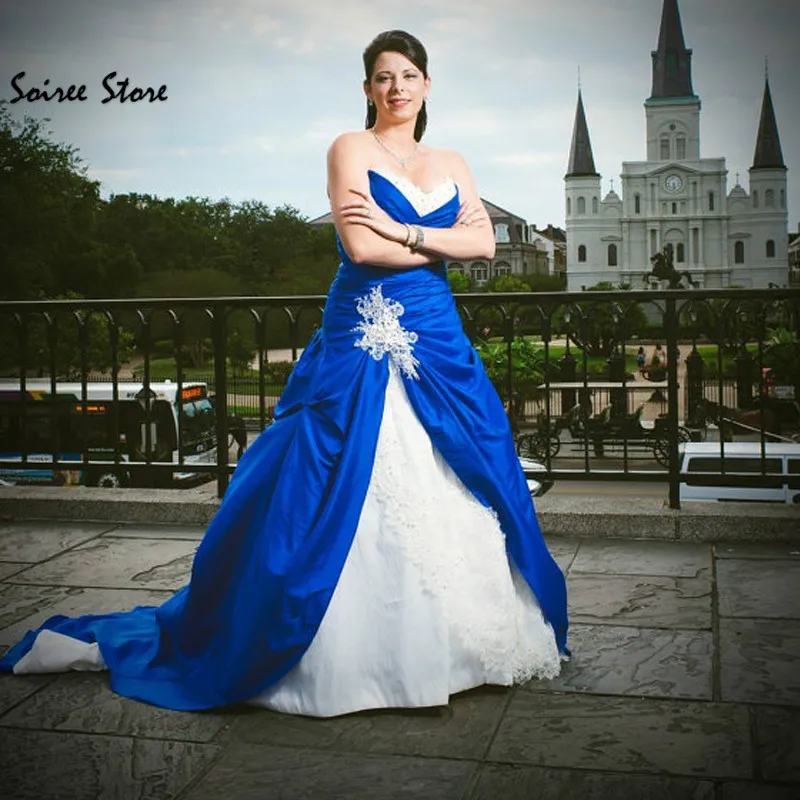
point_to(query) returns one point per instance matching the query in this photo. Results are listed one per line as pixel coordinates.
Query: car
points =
(539, 480)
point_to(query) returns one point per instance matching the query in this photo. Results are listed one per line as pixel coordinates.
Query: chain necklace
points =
(403, 160)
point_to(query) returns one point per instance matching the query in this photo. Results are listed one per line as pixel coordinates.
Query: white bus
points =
(38, 425)
(773, 479)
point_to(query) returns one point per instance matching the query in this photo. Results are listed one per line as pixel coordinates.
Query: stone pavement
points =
(684, 683)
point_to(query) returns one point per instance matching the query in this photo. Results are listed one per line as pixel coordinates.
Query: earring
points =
(369, 102)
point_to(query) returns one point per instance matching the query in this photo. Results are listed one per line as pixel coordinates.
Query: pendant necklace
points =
(403, 160)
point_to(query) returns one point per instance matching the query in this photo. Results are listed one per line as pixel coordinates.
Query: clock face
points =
(673, 183)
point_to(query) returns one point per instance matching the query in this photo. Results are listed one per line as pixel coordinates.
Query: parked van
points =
(772, 479)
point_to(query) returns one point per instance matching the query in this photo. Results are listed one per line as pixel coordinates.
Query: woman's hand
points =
(365, 211)
(470, 215)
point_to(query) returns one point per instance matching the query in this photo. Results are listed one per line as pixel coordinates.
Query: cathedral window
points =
(612, 255)
(755, 198)
(569, 206)
(783, 198)
(738, 253)
(770, 248)
(581, 205)
(501, 233)
(769, 198)
(664, 148)
(711, 200)
(695, 245)
(581, 253)
(680, 147)
(502, 268)
(674, 208)
(680, 254)
(637, 203)
(594, 205)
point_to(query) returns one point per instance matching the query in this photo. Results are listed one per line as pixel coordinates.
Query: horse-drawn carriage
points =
(605, 433)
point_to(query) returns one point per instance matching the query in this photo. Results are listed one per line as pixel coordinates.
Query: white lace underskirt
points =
(427, 604)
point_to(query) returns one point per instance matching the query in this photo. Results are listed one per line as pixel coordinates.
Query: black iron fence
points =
(597, 385)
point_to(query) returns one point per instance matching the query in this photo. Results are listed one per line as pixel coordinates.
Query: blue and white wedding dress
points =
(377, 545)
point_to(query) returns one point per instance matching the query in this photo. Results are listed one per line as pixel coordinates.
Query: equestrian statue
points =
(664, 270)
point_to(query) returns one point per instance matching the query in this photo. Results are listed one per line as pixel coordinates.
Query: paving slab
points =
(118, 563)
(759, 661)
(643, 662)
(758, 791)
(192, 533)
(15, 688)
(462, 729)
(84, 703)
(37, 540)
(563, 550)
(26, 607)
(778, 744)
(789, 551)
(256, 772)
(10, 567)
(679, 559)
(764, 588)
(497, 782)
(681, 738)
(38, 765)
(647, 601)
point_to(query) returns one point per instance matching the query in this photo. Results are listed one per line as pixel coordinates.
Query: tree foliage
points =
(596, 326)
(57, 234)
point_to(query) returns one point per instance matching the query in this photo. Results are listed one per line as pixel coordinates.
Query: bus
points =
(109, 431)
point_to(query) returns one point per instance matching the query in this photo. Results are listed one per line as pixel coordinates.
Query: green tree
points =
(66, 339)
(506, 283)
(459, 282)
(48, 212)
(602, 327)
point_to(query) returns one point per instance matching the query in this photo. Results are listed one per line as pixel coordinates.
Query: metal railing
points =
(564, 364)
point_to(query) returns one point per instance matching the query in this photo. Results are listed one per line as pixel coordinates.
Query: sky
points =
(258, 89)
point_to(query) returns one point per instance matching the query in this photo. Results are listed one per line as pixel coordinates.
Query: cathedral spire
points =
(581, 160)
(768, 153)
(672, 61)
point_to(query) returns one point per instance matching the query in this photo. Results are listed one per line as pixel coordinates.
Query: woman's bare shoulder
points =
(347, 142)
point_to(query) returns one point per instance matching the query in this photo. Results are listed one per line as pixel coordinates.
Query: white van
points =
(780, 465)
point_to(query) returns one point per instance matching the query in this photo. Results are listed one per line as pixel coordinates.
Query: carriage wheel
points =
(661, 445)
(538, 446)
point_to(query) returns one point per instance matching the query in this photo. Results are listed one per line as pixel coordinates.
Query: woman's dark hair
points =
(408, 46)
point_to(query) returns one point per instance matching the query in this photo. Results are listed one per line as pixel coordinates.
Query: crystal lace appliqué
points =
(383, 332)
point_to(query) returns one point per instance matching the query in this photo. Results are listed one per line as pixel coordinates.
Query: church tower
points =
(583, 198)
(672, 110)
(764, 250)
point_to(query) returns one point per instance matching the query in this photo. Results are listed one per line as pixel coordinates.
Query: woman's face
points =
(397, 87)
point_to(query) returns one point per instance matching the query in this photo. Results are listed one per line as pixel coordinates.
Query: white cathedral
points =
(675, 197)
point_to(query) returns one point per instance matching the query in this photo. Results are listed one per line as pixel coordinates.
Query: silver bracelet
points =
(407, 242)
(419, 242)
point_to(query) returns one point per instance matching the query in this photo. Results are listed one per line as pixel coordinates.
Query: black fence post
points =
(671, 327)
(616, 374)
(567, 366)
(221, 395)
(695, 371)
(745, 377)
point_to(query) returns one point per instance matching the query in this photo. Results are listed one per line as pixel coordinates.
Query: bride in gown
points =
(377, 546)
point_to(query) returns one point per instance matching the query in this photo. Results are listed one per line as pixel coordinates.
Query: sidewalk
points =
(684, 683)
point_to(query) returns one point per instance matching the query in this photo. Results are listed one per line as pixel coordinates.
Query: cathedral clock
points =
(673, 182)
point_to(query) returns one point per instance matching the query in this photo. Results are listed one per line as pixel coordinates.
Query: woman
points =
(377, 545)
